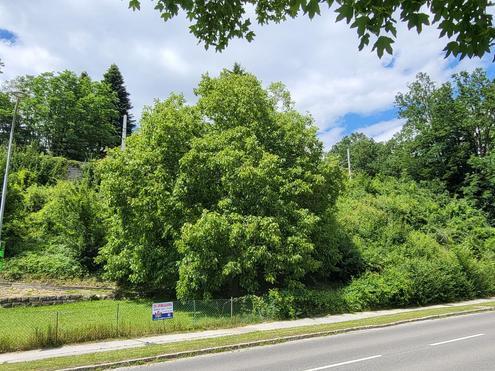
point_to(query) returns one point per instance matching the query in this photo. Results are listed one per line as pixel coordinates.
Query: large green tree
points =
(138, 188)
(479, 184)
(68, 115)
(365, 153)
(467, 25)
(114, 78)
(446, 126)
(259, 190)
(235, 190)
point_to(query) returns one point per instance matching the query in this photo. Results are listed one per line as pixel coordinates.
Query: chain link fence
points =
(35, 327)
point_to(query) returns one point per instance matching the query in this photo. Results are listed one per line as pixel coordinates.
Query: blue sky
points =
(345, 90)
(7, 36)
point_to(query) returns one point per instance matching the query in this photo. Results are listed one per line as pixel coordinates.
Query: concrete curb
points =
(192, 353)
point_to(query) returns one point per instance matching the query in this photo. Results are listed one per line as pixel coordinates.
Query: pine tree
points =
(114, 78)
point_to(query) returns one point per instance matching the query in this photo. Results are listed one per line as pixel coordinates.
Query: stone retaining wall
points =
(34, 301)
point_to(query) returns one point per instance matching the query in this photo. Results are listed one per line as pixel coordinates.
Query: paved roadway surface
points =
(456, 343)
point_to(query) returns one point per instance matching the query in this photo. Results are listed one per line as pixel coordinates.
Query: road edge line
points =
(278, 340)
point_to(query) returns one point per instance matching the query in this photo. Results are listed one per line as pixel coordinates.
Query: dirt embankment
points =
(31, 289)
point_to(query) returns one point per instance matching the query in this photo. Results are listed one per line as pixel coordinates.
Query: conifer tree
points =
(114, 78)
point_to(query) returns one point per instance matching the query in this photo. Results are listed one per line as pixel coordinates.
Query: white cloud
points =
(22, 59)
(331, 136)
(173, 61)
(383, 130)
(318, 60)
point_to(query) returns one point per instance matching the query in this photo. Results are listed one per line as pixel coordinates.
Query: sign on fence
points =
(162, 310)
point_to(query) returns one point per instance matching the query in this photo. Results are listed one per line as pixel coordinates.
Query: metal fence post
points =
(56, 328)
(231, 307)
(117, 317)
(194, 308)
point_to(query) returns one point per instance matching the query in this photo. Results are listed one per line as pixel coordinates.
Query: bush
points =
(70, 217)
(417, 247)
(390, 288)
(46, 264)
(298, 303)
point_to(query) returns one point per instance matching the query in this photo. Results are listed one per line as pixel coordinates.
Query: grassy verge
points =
(24, 328)
(191, 346)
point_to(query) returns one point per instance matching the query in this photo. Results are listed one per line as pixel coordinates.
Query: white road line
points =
(458, 339)
(343, 363)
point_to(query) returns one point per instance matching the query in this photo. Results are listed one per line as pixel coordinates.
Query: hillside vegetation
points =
(235, 196)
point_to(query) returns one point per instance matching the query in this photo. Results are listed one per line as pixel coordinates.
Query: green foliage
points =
(48, 217)
(61, 223)
(40, 265)
(115, 80)
(29, 168)
(299, 303)
(70, 218)
(233, 195)
(446, 141)
(446, 126)
(366, 154)
(67, 115)
(268, 186)
(479, 184)
(137, 186)
(238, 194)
(418, 247)
(469, 27)
(6, 112)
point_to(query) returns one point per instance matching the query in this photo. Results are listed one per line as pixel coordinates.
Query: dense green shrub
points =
(418, 247)
(297, 303)
(49, 218)
(71, 217)
(414, 247)
(30, 172)
(48, 263)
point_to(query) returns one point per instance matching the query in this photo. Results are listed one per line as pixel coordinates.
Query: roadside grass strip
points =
(163, 352)
(25, 328)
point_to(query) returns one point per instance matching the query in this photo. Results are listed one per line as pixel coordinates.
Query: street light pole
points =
(124, 132)
(349, 162)
(7, 166)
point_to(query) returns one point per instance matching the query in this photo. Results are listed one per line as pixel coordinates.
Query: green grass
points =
(275, 335)
(24, 328)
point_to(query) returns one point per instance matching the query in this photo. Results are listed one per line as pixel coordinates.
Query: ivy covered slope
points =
(230, 196)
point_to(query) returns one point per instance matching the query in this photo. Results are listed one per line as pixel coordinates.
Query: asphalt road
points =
(455, 343)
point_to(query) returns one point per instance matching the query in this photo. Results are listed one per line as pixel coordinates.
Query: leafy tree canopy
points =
(467, 24)
(447, 140)
(446, 126)
(235, 190)
(365, 153)
(65, 114)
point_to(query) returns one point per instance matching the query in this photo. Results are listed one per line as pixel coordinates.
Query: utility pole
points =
(7, 166)
(124, 132)
(349, 162)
